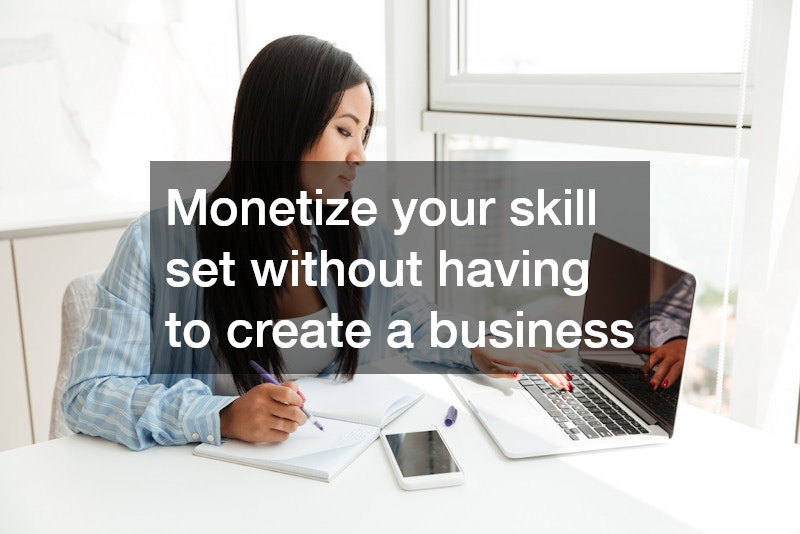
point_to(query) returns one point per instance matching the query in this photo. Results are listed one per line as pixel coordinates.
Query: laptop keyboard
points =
(663, 402)
(584, 413)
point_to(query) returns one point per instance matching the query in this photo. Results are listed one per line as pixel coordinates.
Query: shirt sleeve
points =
(412, 306)
(415, 308)
(667, 317)
(110, 392)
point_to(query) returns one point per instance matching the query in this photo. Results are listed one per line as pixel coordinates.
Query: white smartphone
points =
(421, 459)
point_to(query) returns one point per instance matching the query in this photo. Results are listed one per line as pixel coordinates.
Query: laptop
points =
(612, 404)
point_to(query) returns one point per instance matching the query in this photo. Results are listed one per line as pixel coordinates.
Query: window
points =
(594, 39)
(514, 80)
(610, 60)
(687, 192)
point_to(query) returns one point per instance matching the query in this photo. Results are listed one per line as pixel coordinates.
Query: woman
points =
(303, 117)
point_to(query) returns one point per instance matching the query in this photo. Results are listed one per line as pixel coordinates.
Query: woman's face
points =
(340, 148)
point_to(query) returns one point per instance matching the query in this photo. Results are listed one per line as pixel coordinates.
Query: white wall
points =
(92, 91)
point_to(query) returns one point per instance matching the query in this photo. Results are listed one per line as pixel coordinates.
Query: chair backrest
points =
(75, 307)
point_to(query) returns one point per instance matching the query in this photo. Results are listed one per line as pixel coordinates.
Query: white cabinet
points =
(16, 420)
(44, 267)
(47, 238)
(34, 273)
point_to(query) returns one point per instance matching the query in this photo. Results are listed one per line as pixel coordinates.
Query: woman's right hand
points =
(507, 362)
(266, 413)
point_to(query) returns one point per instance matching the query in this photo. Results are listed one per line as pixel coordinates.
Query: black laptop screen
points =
(656, 298)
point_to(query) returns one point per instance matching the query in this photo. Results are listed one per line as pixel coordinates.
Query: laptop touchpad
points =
(499, 397)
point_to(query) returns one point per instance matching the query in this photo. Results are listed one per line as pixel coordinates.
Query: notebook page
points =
(307, 440)
(371, 399)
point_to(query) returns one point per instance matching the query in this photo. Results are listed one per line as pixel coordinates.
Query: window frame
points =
(761, 399)
(706, 99)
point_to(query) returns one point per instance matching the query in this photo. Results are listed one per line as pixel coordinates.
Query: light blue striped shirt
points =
(116, 391)
(667, 317)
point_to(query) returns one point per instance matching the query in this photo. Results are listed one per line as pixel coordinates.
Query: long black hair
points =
(286, 98)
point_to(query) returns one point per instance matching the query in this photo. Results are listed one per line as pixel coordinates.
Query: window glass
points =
(611, 37)
(690, 203)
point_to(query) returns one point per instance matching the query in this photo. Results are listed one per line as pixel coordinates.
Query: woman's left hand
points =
(510, 361)
(665, 362)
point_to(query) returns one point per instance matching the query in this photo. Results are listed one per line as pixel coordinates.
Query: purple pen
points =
(450, 418)
(271, 379)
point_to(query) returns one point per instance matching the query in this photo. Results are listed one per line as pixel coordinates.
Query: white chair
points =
(75, 307)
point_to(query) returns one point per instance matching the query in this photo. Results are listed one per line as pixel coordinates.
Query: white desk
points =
(714, 476)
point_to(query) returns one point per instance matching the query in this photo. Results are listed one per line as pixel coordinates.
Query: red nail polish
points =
(571, 387)
(665, 385)
(302, 397)
(652, 384)
(516, 374)
(569, 376)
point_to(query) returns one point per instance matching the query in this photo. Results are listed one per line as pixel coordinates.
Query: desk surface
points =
(713, 476)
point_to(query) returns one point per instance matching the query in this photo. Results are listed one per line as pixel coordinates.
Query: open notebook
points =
(352, 413)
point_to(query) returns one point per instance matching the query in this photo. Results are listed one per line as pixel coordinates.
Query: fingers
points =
(557, 380)
(285, 393)
(666, 364)
(290, 385)
(673, 376)
(501, 363)
(284, 403)
(656, 356)
(560, 381)
(266, 412)
(536, 361)
(286, 421)
(657, 380)
(499, 370)
(287, 412)
(659, 369)
(512, 369)
(293, 387)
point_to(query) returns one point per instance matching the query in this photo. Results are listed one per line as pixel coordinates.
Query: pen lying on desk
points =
(271, 379)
